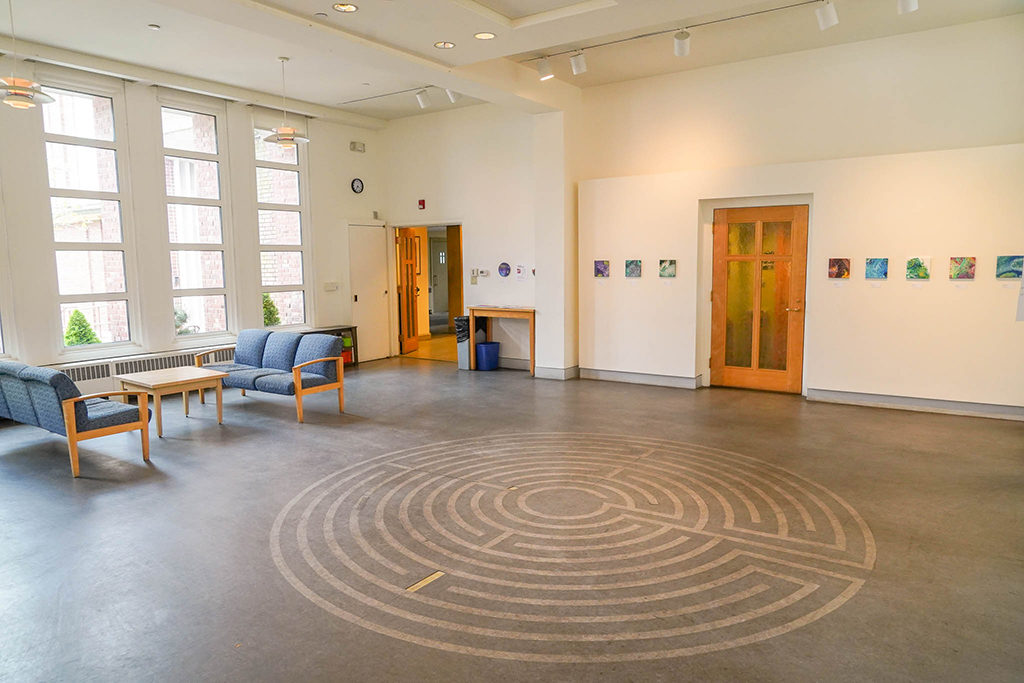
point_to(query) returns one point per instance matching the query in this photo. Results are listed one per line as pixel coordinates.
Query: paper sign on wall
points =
(520, 272)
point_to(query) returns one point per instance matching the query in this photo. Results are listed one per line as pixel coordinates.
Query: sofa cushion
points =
(101, 413)
(48, 388)
(229, 367)
(16, 395)
(249, 347)
(246, 379)
(279, 353)
(284, 382)
(315, 346)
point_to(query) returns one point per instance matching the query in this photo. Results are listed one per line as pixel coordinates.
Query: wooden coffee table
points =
(160, 383)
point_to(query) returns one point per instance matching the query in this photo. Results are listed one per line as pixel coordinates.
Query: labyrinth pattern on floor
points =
(563, 547)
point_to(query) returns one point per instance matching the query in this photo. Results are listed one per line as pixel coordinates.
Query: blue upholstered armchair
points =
(283, 363)
(48, 399)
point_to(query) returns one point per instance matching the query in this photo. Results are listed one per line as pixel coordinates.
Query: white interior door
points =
(368, 259)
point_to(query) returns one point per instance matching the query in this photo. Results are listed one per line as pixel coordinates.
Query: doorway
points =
(430, 290)
(759, 265)
(371, 310)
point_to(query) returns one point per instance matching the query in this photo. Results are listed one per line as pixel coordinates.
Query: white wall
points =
(474, 167)
(942, 89)
(935, 339)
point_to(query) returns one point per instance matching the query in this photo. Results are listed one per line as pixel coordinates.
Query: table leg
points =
(124, 399)
(220, 403)
(159, 415)
(472, 341)
(184, 401)
(533, 331)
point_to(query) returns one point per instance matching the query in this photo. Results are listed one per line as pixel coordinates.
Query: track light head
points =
(544, 69)
(423, 99)
(578, 62)
(682, 43)
(453, 96)
(906, 6)
(827, 15)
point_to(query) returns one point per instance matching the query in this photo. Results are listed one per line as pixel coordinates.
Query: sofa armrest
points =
(201, 357)
(318, 360)
(297, 371)
(68, 405)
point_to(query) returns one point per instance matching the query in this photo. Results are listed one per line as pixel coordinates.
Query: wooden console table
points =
(491, 312)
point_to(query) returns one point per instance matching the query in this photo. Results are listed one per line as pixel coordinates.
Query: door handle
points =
(793, 309)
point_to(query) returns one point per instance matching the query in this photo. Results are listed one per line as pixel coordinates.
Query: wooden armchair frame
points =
(201, 359)
(339, 384)
(75, 436)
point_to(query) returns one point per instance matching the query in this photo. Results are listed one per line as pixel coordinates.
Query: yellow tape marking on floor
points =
(423, 582)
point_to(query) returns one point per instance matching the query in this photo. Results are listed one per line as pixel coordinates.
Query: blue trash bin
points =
(487, 356)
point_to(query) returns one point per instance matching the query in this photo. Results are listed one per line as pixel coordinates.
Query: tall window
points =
(85, 205)
(194, 221)
(280, 210)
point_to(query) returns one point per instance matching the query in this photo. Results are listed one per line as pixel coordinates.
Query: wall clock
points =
(357, 185)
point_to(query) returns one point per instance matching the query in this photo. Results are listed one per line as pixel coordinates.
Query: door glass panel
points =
(739, 326)
(774, 317)
(776, 238)
(741, 238)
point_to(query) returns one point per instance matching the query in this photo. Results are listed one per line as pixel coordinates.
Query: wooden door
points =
(408, 327)
(454, 245)
(368, 256)
(757, 299)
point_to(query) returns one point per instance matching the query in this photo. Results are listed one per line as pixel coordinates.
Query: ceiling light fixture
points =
(681, 43)
(423, 98)
(453, 96)
(285, 135)
(345, 7)
(906, 6)
(444, 45)
(827, 15)
(20, 93)
(544, 69)
(484, 35)
(578, 62)
(153, 27)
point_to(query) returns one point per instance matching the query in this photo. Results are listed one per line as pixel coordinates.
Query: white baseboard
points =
(927, 405)
(557, 373)
(514, 363)
(641, 378)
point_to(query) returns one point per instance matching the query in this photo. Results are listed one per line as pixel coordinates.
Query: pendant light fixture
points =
(20, 93)
(285, 135)
(681, 44)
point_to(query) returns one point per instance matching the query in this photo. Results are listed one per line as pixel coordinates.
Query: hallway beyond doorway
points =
(438, 347)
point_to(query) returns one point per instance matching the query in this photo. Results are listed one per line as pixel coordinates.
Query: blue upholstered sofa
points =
(283, 363)
(49, 399)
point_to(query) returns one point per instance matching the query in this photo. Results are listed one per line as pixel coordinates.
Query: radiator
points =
(98, 375)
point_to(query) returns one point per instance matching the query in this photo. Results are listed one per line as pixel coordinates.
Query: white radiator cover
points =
(96, 376)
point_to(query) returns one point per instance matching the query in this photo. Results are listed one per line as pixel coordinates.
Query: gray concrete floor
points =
(164, 571)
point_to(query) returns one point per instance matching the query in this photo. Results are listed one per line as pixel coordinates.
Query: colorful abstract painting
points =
(839, 269)
(602, 268)
(962, 267)
(667, 268)
(876, 269)
(633, 267)
(919, 268)
(1009, 267)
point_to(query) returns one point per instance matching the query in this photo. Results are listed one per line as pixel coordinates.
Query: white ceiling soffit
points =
(510, 14)
(785, 31)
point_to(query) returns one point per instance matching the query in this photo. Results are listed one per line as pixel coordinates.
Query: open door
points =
(757, 300)
(408, 327)
(454, 274)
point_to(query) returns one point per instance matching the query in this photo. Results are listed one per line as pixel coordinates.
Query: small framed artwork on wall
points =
(602, 268)
(634, 267)
(876, 269)
(839, 269)
(919, 268)
(1009, 267)
(667, 268)
(962, 267)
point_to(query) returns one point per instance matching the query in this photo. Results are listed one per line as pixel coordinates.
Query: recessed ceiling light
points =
(444, 45)
(484, 35)
(345, 7)
(153, 27)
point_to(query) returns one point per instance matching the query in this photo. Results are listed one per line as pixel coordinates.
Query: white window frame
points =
(114, 90)
(302, 168)
(217, 109)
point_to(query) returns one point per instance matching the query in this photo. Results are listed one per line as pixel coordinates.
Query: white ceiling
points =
(387, 46)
